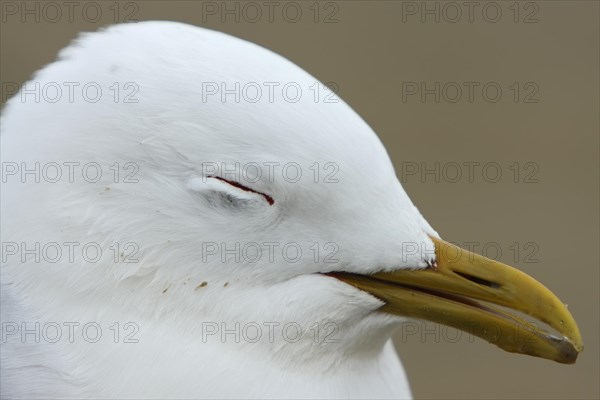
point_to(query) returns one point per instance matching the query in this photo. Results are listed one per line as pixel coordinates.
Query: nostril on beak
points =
(479, 281)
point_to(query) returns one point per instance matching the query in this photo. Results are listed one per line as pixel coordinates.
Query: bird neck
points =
(154, 358)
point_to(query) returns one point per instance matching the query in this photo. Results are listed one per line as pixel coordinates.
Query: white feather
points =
(173, 212)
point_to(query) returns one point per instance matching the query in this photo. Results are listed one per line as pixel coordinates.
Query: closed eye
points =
(244, 188)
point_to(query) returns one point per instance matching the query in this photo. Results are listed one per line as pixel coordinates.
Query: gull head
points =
(231, 183)
(220, 183)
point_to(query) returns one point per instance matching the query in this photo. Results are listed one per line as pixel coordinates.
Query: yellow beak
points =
(446, 293)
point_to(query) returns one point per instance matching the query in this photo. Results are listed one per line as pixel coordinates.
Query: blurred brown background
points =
(541, 132)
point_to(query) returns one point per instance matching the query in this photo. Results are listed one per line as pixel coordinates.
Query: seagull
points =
(189, 215)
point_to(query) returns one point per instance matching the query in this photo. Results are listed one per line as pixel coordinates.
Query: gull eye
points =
(218, 184)
(245, 188)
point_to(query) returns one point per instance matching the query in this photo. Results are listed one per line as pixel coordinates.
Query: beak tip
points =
(568, 353)
(565, 351)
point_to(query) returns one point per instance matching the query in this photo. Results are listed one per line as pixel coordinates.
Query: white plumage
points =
(174, 209)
